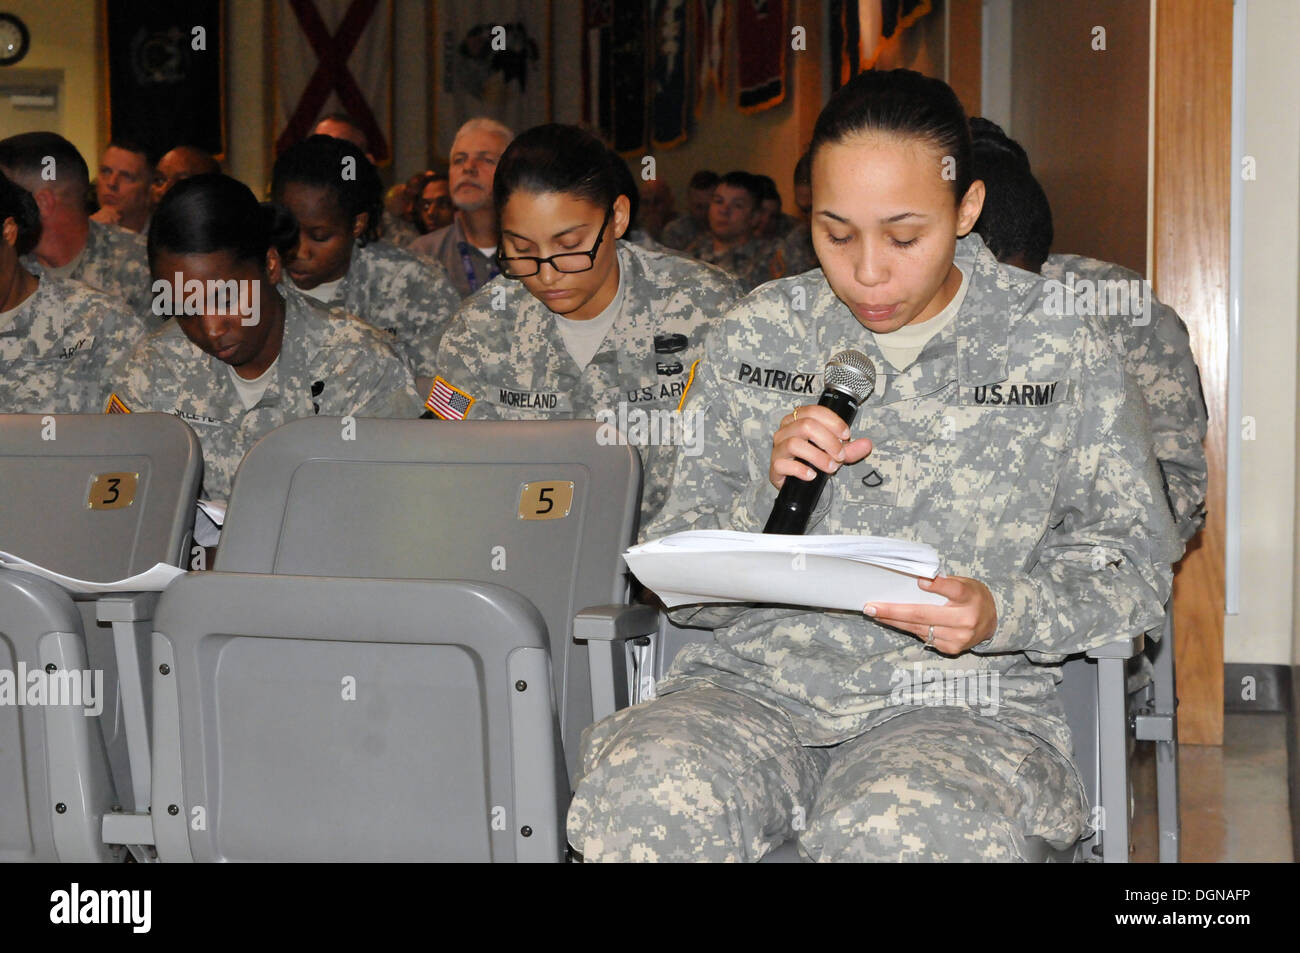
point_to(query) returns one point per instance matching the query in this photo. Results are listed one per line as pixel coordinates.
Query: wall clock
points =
(15, 40)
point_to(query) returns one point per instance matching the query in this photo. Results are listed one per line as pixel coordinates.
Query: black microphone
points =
(849, 379)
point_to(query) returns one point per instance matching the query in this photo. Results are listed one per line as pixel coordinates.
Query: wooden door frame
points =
(1191, 182)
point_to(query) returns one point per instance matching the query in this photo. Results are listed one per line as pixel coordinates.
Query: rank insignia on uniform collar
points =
(115, 405)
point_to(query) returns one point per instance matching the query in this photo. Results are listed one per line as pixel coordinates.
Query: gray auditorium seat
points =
(321, 719)
(410, 556)
(418, 499)
(1105, 714)
(55, 784)
(70, 770)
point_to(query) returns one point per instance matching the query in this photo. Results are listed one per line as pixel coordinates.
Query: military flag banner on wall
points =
(493, 59)
(165, 76)
(616, 51)
(669, 74)
(762, 42)
(859, 29)
(334, 56)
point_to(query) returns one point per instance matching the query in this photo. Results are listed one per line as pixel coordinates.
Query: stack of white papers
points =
(832, 572)
(151, 580)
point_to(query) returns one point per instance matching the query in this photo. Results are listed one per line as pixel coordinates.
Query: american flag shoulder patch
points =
(448, 401)
(115, 405)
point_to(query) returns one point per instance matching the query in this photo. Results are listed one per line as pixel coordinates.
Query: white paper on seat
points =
(151, 580)
(209, 517)
(214, 510)
(832, 572)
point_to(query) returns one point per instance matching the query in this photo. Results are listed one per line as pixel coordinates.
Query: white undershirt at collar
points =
(903, 346)
(583, 339)
(251, 391)
(327, 292)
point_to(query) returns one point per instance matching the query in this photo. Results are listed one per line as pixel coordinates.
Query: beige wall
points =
(247, 153)
(1263, 630)
(65, 37)
(411, 92)
(1081, 114)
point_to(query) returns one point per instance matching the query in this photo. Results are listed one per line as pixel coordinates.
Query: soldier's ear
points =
(360, 224)
(274, 265)
(622, 213)
(10, 231)
(46, 200)
(968, 211)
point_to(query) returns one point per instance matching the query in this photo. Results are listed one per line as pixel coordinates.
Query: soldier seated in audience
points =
(999, 433)
(245, 354)
(730, 242)
(338, 262)
(684, 229)
(433, 208)
(794, 252)
(581, 323)
(71, 245)
(1016, 224)
(58, 337)
(122, 186)
(390, 228)
(179, 164)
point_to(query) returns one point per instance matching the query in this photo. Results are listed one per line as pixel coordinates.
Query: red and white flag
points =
(334, 56)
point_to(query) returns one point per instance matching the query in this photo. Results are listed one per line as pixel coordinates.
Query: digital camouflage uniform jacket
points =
(750, 262)
(113, 261)
(330, 363)
(1157, 352)
(56, 353)
(514, 364)
(681, 231)
(1011, 445)
(406, 297)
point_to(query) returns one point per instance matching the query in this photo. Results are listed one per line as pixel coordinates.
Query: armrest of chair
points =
(615, 623)
(1125, 648)
(601, 627)
(126, 606)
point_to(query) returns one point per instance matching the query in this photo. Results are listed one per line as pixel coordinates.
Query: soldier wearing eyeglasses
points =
(579, 324)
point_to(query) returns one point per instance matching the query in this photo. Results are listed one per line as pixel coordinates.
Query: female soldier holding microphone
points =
(998, 432)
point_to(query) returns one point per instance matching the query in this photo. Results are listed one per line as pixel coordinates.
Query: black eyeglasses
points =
(569, 263)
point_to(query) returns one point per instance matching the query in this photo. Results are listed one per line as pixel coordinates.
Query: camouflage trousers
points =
(707, 773)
